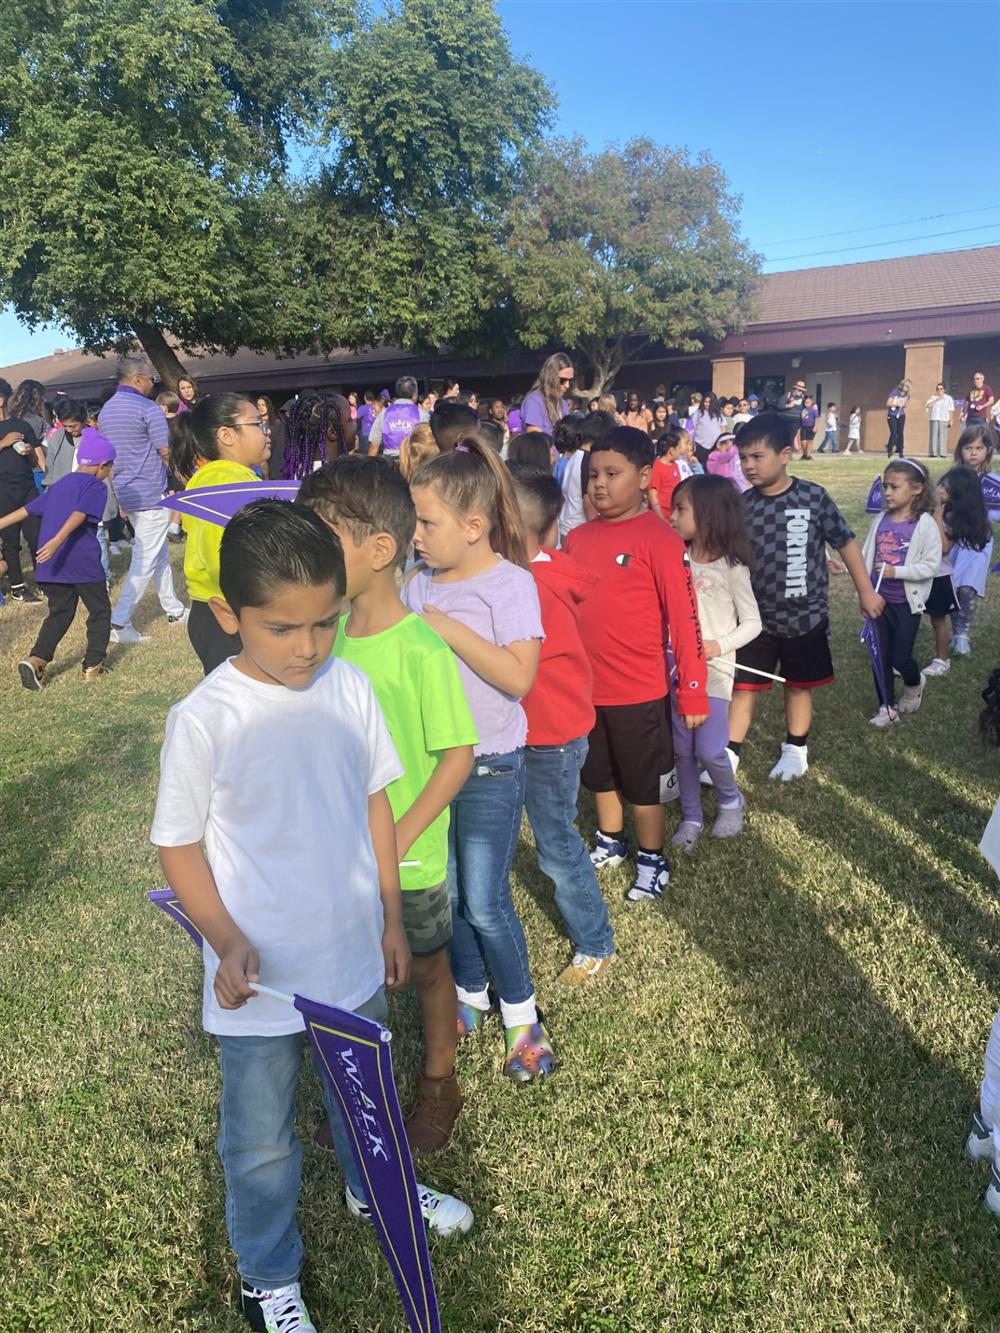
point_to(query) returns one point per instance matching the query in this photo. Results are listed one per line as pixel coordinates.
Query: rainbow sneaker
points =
(529, 1052)
(470, 1018)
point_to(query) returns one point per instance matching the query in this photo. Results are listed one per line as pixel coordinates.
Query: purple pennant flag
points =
(218, 504)
(876, 499)
(870, 638)
(354, 1055)
(991, 490)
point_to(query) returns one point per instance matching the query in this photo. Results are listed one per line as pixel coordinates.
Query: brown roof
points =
(880, 286)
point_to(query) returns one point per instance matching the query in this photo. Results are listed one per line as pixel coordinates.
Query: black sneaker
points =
(25, 596)
(278, 1310)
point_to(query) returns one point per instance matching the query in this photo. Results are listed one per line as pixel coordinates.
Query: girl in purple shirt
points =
(475, 590)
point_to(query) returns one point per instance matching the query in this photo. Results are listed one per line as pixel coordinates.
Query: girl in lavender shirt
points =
(485, 607)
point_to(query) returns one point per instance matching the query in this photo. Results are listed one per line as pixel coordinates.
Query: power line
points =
(872, 245)
(880, 226)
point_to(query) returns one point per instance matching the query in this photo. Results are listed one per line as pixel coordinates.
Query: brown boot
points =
(429, 1124)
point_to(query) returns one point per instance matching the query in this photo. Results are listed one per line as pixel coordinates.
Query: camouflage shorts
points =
(427, 919)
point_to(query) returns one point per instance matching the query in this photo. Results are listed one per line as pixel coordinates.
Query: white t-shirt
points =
(854, 426)
(941, 406)
(571, 515)
(831, 421)
(276, 781)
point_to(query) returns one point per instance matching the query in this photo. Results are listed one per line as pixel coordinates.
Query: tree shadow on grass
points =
(903, 1109)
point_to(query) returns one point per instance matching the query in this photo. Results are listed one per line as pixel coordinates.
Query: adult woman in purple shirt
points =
(546, 403)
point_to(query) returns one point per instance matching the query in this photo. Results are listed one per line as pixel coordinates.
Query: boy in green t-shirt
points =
(367, 503)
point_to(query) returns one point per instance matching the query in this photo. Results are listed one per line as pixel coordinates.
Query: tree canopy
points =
(609, 252)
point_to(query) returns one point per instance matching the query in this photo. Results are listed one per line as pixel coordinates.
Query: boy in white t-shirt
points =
(300, 893)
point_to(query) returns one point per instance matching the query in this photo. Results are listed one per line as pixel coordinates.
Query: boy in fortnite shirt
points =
(790, 522)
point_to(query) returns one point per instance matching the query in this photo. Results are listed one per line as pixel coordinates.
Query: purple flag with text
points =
(218, 504)
(991, 490)
(876, 498)
(355, 1056)
(870, 638)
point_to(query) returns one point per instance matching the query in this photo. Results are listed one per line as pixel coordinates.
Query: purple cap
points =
(386, 395)
(94, 448)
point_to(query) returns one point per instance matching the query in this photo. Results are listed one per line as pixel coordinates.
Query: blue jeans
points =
(482, 839)
(261, 1154)
(830, 438)
(551, 791)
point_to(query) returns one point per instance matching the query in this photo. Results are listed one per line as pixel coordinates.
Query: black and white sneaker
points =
(991, 1199)
(652, 875)
(25, 597)
(979, 1144)
(278, 1310)
(444, 1214)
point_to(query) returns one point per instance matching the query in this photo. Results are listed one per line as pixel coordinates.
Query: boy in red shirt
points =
(669, 470)
(560, 715)
(644, 596)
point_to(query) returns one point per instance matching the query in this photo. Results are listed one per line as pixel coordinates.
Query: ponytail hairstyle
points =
(978, 433)
(473, 477)
(719, 518)
(418, 447)
(925, 501)
(315, 432)
(194, 435)
(965, 518)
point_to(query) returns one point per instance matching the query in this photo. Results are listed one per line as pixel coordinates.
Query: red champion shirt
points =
(645, 596)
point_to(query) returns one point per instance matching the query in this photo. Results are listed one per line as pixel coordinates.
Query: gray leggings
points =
(961, 620)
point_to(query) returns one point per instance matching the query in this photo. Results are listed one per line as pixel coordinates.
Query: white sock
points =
(174, 528)
(516, 1015)
(730, 805)
(479, 999)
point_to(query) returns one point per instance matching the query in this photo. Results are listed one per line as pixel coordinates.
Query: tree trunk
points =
(159, 351)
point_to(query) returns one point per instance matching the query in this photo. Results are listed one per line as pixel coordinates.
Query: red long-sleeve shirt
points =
(644, 596)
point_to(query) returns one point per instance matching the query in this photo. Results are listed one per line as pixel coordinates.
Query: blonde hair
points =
(608, 403)
(419, 447)
(472, 477)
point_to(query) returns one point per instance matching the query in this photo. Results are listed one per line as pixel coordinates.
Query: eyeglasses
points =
(257, 421)
(565, 379)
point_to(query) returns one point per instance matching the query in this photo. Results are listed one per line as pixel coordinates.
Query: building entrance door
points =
(825, 387)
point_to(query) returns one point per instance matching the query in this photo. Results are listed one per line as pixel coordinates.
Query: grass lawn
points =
(758, 1118)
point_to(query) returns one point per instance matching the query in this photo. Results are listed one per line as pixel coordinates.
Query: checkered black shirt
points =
(790, 533)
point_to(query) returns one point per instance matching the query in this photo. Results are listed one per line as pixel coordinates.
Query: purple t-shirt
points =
(535, 413)
(892, 542)
(78, 560)
(502, 607)
(138, 430)
(514, 422)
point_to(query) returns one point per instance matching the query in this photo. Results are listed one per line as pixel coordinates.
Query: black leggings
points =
(897, 633)
(896, 425)
(209, 640)
(63, 599)
(14, 494)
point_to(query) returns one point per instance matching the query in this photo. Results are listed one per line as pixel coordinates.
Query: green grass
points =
(758, 1119)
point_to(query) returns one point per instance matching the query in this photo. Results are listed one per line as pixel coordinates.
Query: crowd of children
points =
(516, 629)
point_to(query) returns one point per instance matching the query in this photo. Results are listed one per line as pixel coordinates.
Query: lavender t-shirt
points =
(535, 413)
(502, 607)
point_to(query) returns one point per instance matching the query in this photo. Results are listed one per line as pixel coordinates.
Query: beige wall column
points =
(924, 368)
(727, 376)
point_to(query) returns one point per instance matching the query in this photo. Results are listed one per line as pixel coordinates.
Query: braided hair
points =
(312, 421)
(989, 718)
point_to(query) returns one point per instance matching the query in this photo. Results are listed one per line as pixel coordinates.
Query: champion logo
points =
(623, 559)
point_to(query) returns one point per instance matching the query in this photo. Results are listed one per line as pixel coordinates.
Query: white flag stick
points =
(880, 574)
(411, 863)
(738, 666)
(274, 994)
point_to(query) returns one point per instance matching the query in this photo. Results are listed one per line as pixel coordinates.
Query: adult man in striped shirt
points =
(138, 430)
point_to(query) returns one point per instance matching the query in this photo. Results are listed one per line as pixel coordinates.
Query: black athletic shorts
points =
(942, 600)
(806, 434)
(805, 661)
(631, 748)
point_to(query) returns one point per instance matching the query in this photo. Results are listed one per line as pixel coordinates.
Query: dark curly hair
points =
(989, 718)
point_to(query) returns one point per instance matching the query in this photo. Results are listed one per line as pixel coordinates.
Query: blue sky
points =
(853, 131)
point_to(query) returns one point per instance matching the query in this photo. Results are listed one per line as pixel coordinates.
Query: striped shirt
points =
(138, 430)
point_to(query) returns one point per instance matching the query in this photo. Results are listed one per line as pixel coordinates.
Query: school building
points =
(851, 331)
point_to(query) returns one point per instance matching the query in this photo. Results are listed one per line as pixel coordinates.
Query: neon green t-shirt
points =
(417, 685)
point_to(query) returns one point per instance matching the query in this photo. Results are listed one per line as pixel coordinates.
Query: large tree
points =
(610, 252)
(146, 181)
(143, 165)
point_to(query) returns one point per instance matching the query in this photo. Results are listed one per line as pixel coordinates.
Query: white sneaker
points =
(182, 619)
(734, 759)
(885, 717)
(912, 697)
(114, 548)
(126, 635)
(940, 666)
(991, 1199)
(669, 787)
(792, 762)
(443, 1214)
(979, 1144)
(278, 1310)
